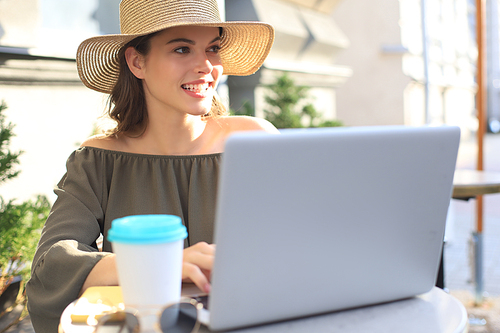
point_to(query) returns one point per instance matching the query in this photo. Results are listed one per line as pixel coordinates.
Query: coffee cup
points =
(149, 251)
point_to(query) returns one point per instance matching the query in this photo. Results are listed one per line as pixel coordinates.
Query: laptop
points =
(318, 220)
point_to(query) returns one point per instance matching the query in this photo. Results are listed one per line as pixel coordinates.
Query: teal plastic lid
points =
(147, 229)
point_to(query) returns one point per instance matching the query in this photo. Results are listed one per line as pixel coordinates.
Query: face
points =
(181, 70)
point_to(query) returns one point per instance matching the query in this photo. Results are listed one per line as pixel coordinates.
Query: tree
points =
(287, 108)
(20, 224)
(8, 159)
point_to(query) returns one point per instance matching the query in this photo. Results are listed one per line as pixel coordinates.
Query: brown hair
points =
(127, 102)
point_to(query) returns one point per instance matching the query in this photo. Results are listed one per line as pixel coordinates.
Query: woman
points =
(163, 155)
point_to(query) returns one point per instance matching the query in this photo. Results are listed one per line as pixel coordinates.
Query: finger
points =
(200, 256)
(207, 273)
(194, 273)
(201, 260)
(204, 247)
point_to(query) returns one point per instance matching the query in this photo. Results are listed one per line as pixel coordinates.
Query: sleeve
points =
(67, 249)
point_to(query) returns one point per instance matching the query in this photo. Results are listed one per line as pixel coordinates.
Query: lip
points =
(199, 94)
(201, 81)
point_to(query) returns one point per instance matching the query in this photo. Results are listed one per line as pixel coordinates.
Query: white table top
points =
(432, 312)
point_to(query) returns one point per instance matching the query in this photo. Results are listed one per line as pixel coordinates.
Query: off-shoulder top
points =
(102, 185)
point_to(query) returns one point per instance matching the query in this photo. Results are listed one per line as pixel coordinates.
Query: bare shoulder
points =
(102, 141)
(246, 123)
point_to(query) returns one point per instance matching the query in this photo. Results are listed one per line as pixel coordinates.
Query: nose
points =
(203, 64)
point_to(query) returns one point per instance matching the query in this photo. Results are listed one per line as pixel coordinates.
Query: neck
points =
(172, 136)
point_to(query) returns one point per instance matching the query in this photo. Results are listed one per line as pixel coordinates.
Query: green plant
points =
(245, 110)
(8, 159)
(20, 224)
(287, 108)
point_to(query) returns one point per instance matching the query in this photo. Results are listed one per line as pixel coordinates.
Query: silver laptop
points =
(317, 220)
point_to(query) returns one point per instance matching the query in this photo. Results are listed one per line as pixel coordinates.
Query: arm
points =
(197, 266)
(67, 250)
(102, 274)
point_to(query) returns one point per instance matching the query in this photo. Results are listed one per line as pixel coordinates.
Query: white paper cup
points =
(148, 252)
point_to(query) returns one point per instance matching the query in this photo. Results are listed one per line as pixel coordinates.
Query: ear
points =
(135, 62)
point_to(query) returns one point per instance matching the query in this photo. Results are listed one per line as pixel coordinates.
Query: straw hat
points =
(244, 46)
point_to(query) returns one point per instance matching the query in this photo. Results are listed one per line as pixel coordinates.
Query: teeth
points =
(195, 87)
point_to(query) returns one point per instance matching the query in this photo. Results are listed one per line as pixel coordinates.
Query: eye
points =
(214, 48)
(182, 50)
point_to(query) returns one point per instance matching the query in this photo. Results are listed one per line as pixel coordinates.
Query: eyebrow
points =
(189, 41)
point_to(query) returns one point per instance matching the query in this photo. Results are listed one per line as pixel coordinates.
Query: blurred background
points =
(385, 62)
(356, 62)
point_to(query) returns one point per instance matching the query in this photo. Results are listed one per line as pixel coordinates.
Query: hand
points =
(197, 263)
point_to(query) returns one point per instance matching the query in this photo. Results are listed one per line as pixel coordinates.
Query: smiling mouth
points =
(197, 88)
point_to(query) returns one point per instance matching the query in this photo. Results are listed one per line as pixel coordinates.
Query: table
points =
(468, 184)
(432, 312)
(471, 183)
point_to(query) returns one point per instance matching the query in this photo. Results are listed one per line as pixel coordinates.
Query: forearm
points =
(103, 274)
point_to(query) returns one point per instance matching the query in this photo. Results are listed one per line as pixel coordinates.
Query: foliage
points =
(20, 224)
(283, 100)
(7, 158)
(245, 110)
(288, 107)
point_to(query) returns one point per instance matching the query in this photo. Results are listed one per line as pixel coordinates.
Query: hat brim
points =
(244, 48)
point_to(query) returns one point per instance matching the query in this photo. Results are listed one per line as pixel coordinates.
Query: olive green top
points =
(98, 187)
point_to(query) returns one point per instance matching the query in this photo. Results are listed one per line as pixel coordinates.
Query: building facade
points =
(307, 44)
(413, 63)
(51, 109)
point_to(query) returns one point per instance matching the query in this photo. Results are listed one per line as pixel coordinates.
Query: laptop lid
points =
(317, 220)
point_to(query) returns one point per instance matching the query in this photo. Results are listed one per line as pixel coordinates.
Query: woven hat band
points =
(145, 16)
